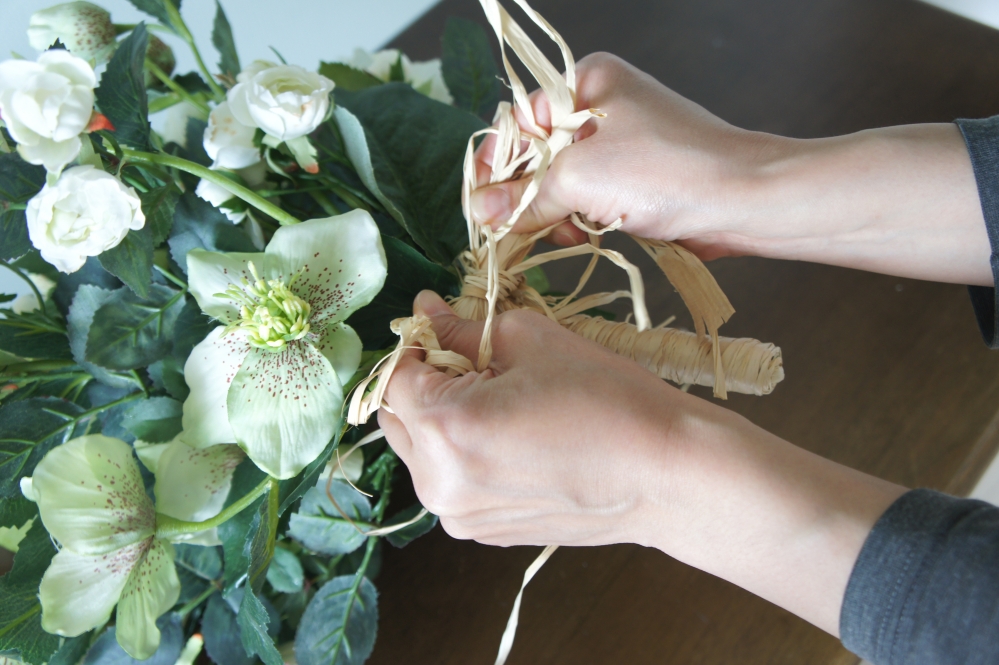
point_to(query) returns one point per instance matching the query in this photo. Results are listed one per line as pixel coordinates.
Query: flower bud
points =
(162, 56)
(426, 77)
(86, 212)
(228, 141)
(83, 28)
(46, 105)
(286, 101)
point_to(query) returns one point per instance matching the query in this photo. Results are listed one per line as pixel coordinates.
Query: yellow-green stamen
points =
(270, 313)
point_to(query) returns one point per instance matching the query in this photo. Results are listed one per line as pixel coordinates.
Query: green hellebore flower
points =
(92, 501)
(271, 377)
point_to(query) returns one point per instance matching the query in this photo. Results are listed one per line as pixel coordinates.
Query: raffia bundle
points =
(495, 264)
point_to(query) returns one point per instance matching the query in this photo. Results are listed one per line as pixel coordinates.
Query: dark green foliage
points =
(197, 223)
(88, 300)
(30, 335)
(131, 332)
(415, 147)
(106, 650)
(238, 533)
(321, 527)
(404, 537)
(154, 420)
(222, 634)
(156, 9)
(15, 511)
(348, 78)
(409, 272)
(469, 68)
(121, 95)
(224, 42)
(29, 429)
(197, 568)
(340, 624)
(254, 621)
(19, 181)
(131, 260)
(285, 573)
(20, 612)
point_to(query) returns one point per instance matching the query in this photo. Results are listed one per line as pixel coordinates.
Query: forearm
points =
(900, 200)
(767, 516)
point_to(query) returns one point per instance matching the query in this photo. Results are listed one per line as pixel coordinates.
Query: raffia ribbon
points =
(495, 263)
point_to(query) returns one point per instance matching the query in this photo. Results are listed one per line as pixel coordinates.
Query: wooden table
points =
(886, 375)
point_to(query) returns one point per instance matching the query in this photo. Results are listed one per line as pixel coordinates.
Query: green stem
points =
(15, 206)
(171, 277)
(193, 604)
(27, 280)
(234, 188)
(38, 378)
(163, 103)
(177, 21)
(36, 366)
(167, 527)
(174, 86)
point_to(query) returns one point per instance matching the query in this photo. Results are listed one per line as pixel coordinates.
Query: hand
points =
(563, 442)
(897, 200)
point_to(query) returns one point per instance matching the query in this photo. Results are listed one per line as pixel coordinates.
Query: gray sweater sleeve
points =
(982, 139)
(925, 588)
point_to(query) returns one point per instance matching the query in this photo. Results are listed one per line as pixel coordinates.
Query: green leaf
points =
(20, 612)
(409, 272)
(26, 336)
(197, 223)
(168, 375)
(320, 527)
(253, 621)
(469, 68)
(121, 95)
(159, 205)
(204, 562)
(86, 302)
(222, 634)
(156, 9)
(404, 537)
(537, 279)
(19, 181)
(293, 488)
(16, 511)
(191, 329)
(7, 297)
(237, 533)
(410, 155)
(339, 625)
(131, 332)
(223, 41)
(260, 546)
(154, 420)
(285, 573)
(131, 261)
(28, 430)
(348, 78)
(72, 650)
(106, 650)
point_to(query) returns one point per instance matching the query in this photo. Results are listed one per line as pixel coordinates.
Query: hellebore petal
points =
(209, 274)
(151, 590)
(344, 263)
(284, 407)
(342, 347)
(209, 371)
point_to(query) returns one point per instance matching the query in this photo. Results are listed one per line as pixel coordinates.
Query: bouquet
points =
(176, 473)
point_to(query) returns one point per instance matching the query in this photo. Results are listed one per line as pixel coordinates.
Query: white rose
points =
(228, 141)
(86, 212)
(84, 28)
(28, 302)
(217, 195)
(286, 101)
(426, 77)
(46, 105)
(174, 122)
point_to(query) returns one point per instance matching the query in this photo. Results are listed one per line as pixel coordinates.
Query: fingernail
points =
(430, 304)
(490, 204)
(562, 237)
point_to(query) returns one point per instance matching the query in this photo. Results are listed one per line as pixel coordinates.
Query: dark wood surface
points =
(885, 375)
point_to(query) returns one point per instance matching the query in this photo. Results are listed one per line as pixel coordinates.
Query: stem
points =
(234, 188)
(27, 280)
(177, 21)
(36, 366)
(15, 206)
(167, 527)
(163, 103)
(193, 604)
(174, 86)
(171, 277)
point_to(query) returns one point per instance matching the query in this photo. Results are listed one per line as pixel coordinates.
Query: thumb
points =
(454, 334)
(494, 205)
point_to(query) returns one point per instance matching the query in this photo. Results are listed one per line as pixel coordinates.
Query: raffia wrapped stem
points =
(751, 367)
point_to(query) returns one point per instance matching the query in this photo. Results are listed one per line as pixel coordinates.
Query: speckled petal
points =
(284, 407)
(209, 274)
(152, 589)
(209, 370)
(344, 263)
(342, 347)
(91, 496)
(79, 591)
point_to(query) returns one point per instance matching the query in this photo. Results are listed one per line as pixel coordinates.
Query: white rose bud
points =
(286, 101)
(217, 195)
(228, 141)
(84, 28)
(426, 77)
(46, 105)
(86, 212)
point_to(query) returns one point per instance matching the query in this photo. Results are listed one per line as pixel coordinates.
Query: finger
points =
(493, 205)
(566, 234)
(454, 334)
(396, 434)
(412, 387)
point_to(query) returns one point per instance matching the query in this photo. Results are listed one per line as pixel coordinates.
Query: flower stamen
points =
(269, 311)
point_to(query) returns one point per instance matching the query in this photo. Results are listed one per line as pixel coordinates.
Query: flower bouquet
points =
(176, 473)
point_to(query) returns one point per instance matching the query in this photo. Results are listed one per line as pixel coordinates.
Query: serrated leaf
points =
(192, 327)
(410, 155)
(348, 78)
(409, 272)
(88, 300)
(90, 273)
(154, 420)
(106, 650)
(28, 430)
(222, 640)
(168, 375)
(285, 573)
(21, 337)
(121, 95)
(469, 68)
(340, 624)
(19, 181)
(131, 261)
(293, 489)
(237, 533)
(16, 511)
(405, 536)
(199, 224)
(7, 297)
(156, 9)
(159, 205)
(205, 562)
(253, 621)
(72, 650)
(131, 332)
(20, 612)
(320, 527)
(226, 45)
